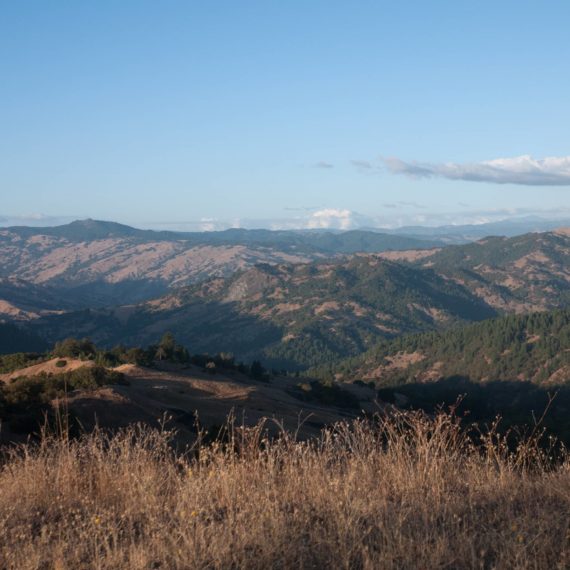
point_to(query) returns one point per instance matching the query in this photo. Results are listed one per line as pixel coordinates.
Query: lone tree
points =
(169, 349)
(167, 344)
(257, 372)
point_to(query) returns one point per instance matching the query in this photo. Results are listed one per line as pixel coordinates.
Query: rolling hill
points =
(97, 263)
(117, 396)
(289, 315)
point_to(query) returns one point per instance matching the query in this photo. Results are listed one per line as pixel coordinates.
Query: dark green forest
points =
(534, 347)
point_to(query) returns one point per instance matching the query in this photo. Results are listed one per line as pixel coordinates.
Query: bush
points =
(61, 363)
(29, 391)
(11, 362)
(329, 394)
(74, 348)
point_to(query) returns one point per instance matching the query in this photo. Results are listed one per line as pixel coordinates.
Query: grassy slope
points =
(407, 493)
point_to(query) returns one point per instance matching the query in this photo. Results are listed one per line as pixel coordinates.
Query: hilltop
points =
(114, 389)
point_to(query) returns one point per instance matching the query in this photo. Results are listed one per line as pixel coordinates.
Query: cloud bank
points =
(525, 170)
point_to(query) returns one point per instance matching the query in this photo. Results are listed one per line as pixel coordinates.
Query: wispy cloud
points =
(323, 164)
(302, 208)
(404, 204)
(362, 164)
(525, 170)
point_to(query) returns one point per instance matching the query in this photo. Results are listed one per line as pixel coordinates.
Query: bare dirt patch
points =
(326, 307)
(48, 367)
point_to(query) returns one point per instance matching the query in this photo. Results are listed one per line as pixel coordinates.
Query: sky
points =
(211, 114)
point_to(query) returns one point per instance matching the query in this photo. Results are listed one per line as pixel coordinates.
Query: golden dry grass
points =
(404, 492)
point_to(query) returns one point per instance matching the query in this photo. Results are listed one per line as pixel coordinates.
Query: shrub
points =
(29, 391)
(330, 394)
(74, 348)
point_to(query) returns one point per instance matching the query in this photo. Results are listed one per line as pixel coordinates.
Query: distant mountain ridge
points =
(99, 263)
(349, 241)
(89, 229)
(464, 233)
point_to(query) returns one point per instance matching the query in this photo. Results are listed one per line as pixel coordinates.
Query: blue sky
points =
(283, 113)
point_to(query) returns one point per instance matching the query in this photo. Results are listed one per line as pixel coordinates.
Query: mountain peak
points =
(89, 229)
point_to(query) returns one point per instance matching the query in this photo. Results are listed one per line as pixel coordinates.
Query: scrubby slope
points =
(290, 316)
(519, 274)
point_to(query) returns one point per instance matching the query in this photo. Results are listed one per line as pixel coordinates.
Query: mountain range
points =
(412, 322)
(90, 263)
(295, 315)
(94, 263)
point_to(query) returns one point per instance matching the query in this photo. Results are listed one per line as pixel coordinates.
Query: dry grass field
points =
(407, 491)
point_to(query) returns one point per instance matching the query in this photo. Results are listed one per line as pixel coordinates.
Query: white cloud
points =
(335, 219)
(391, 216)
(208, 224)
(525, 170)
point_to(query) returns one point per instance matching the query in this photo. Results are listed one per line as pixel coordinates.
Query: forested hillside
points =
(16, 339)
(519, 274)
(515, 368)
(289, 315)
(534, 347)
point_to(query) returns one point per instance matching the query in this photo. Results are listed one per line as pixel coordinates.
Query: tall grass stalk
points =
(405, 491)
